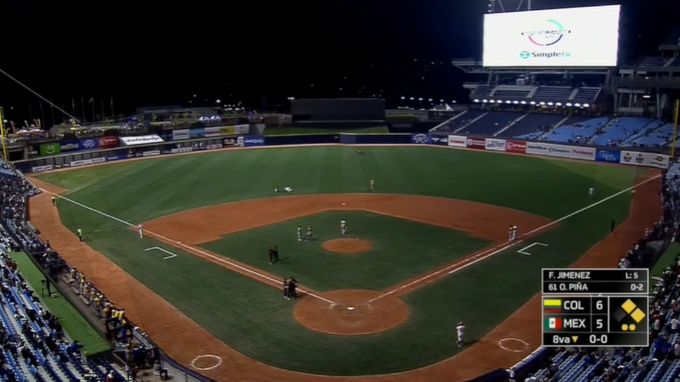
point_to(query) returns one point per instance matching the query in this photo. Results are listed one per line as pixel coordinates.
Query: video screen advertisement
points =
(569, 37)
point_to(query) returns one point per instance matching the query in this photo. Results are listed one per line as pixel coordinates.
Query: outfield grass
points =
(254, 319)
(73, 323)
(304, 130)
(398, 250)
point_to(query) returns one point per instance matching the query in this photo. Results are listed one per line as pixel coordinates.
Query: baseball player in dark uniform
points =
(276, 253)
(271, 255)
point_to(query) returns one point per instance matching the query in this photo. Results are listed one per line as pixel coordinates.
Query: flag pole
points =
(103, 110)
(93, 112)
(82, 107)
(113, 115)
(675, 125)
(52, 112)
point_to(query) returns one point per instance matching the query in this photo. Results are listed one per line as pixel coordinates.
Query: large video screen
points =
(571, 37)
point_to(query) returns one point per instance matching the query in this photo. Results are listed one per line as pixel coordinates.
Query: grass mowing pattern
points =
(254, 318)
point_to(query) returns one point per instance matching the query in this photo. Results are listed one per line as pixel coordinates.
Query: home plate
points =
(350, 308)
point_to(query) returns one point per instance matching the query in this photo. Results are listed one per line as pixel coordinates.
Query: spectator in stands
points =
(160, 371)
(74, 348)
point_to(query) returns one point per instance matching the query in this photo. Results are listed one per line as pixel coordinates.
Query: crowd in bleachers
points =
(33, 345)
(661, 361)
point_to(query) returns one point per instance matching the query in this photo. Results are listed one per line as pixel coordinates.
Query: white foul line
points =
(185, 246)
(485, 255)
(162, 250)
(523, 250)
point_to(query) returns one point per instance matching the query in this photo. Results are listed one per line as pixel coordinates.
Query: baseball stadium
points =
(347, 242)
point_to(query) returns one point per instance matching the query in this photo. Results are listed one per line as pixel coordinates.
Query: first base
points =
(350, 308)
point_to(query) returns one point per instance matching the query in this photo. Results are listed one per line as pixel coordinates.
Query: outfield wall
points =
(148, 146)
(512, 146)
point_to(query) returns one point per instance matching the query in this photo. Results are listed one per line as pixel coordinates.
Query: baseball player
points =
(510, 233)
(276, 189)
(343, 226)
(80, 234)
(54, 200)
(372, 185)
(285, 289)
(514, 232)
(140, 229)
(461, 331)
(271, 255)
(591, 192)
(309, 233)
(299, 232)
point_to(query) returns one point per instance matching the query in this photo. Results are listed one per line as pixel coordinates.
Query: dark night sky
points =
(162, 54)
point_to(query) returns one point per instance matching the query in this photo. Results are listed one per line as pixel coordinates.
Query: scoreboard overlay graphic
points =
(607, 318)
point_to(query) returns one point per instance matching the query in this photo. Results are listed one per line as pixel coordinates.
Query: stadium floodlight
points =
(430, 100)
(420, 99)
(515, 102)
(508, 101)
(492, 101)
(532, 103)
(569, 104)
(550, 104)
(402, 97)
(558, 103)
(485, 100)
(523, 102)
(475, 101)
(577, 104)
(441, 100)
(586, 105)
(412, 98)
(542, 103)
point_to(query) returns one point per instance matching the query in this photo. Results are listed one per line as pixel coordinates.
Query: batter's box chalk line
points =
(503, 343)
(216, 359)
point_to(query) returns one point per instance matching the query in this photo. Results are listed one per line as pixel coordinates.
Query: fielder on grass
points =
(461, 331)
(140, 229)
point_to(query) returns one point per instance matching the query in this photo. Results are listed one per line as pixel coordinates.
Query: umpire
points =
(273, 254)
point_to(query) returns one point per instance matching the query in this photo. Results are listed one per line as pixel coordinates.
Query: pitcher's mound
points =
(346, 246)
(351, 315)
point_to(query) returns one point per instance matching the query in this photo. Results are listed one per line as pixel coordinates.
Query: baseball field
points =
(424, 250)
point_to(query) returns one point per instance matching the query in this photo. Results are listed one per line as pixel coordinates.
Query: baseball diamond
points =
(433, 251)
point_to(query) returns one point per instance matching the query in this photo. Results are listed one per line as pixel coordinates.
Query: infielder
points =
(461, 331)
(299, 231)
(309, 233)
(510, 233)
(591, 192)
(343, 227)
(140, 229)
(514, 232)
(372, 185)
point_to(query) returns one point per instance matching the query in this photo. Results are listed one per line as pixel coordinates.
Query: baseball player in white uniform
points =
(514, 232)
(140, 229)
(591, 192)
(510, 233)
(461, 331)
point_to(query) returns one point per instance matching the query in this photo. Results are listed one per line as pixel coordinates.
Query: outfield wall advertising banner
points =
(560, 151)
(212, 132)
(241, 129)
(252, 141)
(75, 163)
(182, 150)
(441, 140)
(88, 144)
(108, 142)
(141, 140)
(421, 139)
(65, 147)
(178, 135)
(151, 153)
(609, 156)
(457, 141)
(213, 147)
(516, 147)
(42, 168)
(475, 143)
(644, 159)
(197, 133)
(495, 144)
(50, 149)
